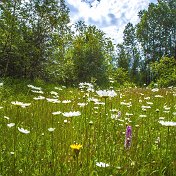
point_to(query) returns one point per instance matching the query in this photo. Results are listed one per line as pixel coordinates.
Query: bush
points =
(165, 72)
(120, 77)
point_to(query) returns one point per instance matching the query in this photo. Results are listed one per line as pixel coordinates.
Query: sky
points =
(111, 16)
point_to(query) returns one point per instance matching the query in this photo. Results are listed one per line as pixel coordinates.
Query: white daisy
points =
(106, 93)
(82, 104)
(71, 114)
(33, 87)
(10, 125)
(101, 164)
(39, 98)
(5, 117)
(158, 96)
(167, 123)
(56, 113)
(155, 90)
(66, 101)
(51, 129)
(37, 91)
(53, 93)
(53, 100)
(23, 105)
(22, 130)
(142, 115)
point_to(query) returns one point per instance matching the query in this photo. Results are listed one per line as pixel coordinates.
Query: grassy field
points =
(85, 132)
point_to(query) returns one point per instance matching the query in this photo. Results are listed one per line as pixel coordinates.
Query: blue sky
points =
(110, 16)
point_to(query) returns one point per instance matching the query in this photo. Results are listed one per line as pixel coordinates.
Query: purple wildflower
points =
(128, 137)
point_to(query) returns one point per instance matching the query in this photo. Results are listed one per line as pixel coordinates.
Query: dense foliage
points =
(38, 41)
(165, 72)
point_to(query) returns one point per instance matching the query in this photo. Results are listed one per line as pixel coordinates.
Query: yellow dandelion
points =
(76, 148)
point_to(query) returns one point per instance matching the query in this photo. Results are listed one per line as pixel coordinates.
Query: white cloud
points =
(110, 16)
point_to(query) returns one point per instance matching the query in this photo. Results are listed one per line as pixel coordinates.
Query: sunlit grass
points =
(83, 131)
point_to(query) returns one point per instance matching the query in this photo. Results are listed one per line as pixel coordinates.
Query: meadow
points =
(86, 131)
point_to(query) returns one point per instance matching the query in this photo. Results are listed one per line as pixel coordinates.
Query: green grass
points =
(45, 153)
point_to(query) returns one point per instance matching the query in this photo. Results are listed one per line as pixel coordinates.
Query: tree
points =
(32, 31)
(60, 66)
(46, 20)
(156, 33)
(9, 37)
(123, 57)
(156, 30)
(91, 53)
(131, 46)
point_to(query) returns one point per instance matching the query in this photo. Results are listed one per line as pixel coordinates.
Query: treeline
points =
(145, 44)
(38, 41)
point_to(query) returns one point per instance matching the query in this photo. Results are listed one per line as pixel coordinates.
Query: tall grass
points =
(97, 123)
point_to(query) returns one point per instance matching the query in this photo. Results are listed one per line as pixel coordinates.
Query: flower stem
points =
(167, 141)
(105, 129)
